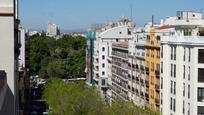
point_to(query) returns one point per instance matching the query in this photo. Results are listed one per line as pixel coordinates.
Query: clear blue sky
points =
(77, 14)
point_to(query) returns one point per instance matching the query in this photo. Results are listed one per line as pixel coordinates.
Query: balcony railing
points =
(157, 102)
(147, 83)
(157, 88)
(157, 73)
(200, 98)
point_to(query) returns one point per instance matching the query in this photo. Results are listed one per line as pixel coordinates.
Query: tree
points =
(56, 68)
(57, 58)
(79, 99)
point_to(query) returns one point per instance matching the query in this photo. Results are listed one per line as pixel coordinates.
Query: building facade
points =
(53, 30)
(182, 66)
(119, 71)
(9, 46)
(101, 55)
(152, 63)
(23, 69)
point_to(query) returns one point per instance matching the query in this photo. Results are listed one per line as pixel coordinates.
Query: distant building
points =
(23, 70)
(53, 30)
(31, 33)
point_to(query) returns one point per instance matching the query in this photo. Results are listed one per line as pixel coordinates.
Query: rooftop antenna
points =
(152, 20)
(131, 12)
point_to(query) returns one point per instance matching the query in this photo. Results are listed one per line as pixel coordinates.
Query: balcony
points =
(142, 82)
(157, 102)
(147, 83)
(200, 98)
(137, 79)
(147, 72)
(157, 73)
(147, 96)
(157, 88)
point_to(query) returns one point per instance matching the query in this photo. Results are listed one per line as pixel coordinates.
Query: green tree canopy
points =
(79, 99)
(62, 57)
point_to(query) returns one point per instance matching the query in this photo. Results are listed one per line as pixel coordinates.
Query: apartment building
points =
(152, 63)
(9, 46)
(136, 65)
(119, 71)
(23, 69)
(102, 48)
(53, 30)
(182, 68)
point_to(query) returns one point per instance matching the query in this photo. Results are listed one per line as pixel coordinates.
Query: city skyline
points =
(79, 15)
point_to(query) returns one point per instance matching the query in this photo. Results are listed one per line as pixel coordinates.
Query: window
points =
(174, 53)
(161, 98)
(103, 65)
(161, 82)
(200, 94)
(189, 55)
(174, 87)
(171, 103)
(103, 82)
(200, 55)
(189, 73)
(161, 51)
(174, 70)
(103, 57)
(171, 86)
(161, 67)
(103, 49)
(171, 53)
(152, 66)
(188, 91)
(103, 73)
(158, 38)
(200, 110)
(188, 108)
(184, 69)
(200, 75)
(187, 32)
(184, 89)
(174, 107)
(183, 107)
(129, 32)
(171, 69)
(184, 54)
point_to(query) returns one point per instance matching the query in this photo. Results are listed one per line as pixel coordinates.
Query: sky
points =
(80, 14)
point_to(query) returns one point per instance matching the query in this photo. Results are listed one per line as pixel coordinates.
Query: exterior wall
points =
(136, 71)
(8, 54)
(186, 98)
(104, 39)
(152, 65)
(53, 30)
(119, 69)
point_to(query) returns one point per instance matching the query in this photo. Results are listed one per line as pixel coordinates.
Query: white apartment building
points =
(9, 46)
(136, 72)
(182, 68)
(53, 30)
(102, 51)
